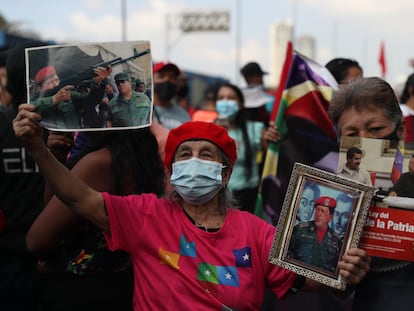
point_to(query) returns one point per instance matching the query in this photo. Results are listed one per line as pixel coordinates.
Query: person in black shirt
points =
(21, 197)
(405, 185)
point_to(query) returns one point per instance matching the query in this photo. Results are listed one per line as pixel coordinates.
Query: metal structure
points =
(205, 21)
(194, 21)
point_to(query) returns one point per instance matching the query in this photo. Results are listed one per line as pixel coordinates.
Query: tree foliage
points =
(4, 24)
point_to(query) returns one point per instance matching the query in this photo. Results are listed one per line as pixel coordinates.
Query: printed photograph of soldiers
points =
(90, 86)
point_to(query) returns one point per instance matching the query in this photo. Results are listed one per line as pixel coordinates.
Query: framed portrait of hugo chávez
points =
(91, 86)
(322, 217)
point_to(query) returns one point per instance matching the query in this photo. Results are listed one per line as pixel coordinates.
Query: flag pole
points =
(270, 163)
(283, 79)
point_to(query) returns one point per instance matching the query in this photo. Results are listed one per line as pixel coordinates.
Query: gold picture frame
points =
(331, 185)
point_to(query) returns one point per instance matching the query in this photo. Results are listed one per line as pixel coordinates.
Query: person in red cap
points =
(167, 112)
(46, 79)
(314, 242)
(62, 110)
(192, 250)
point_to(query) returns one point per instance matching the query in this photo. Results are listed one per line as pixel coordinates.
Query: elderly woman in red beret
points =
(191, 251)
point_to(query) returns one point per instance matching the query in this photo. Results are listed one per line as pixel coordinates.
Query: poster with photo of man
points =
(381, 161)
(388, 231)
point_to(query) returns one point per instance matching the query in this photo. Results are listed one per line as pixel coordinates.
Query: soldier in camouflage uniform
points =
(129, 108)
(63, 110)
(314, 242)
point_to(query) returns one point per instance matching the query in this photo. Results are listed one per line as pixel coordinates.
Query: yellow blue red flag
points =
(307, 133)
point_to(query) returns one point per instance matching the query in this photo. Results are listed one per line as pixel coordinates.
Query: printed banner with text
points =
(389, 233)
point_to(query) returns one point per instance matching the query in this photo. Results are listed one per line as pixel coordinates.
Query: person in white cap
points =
(256, 99)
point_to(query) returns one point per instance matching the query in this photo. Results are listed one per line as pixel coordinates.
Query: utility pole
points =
(123, 20)
(238, 40)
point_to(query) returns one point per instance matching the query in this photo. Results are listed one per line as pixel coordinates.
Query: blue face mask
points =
(196, 181)
(227, 108)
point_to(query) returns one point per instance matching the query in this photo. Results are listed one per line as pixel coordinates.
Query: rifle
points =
(88, 73)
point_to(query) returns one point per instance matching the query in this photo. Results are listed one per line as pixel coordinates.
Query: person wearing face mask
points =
(369, 108)
(249, 139)
(168, 113)
(193, 248)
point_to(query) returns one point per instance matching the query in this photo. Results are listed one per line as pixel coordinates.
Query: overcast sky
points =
(352, 28)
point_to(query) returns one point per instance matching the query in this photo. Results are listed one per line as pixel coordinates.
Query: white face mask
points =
(227, 108)
(196, 181)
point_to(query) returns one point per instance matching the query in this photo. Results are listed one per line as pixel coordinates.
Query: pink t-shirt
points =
(180, 267)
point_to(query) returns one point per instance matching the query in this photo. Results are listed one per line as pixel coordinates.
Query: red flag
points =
(409, 122)
(283, 79)
(381, 60)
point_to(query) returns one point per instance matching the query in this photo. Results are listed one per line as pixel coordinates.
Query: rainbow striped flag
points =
(307, 133)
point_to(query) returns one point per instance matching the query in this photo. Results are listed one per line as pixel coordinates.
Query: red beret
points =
(326, 201)
(199, 130)
(160, 66)
(44, 73)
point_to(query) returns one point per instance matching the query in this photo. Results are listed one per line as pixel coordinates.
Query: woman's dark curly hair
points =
(131, 150)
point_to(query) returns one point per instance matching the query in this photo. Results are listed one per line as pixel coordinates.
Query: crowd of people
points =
(162, 217)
